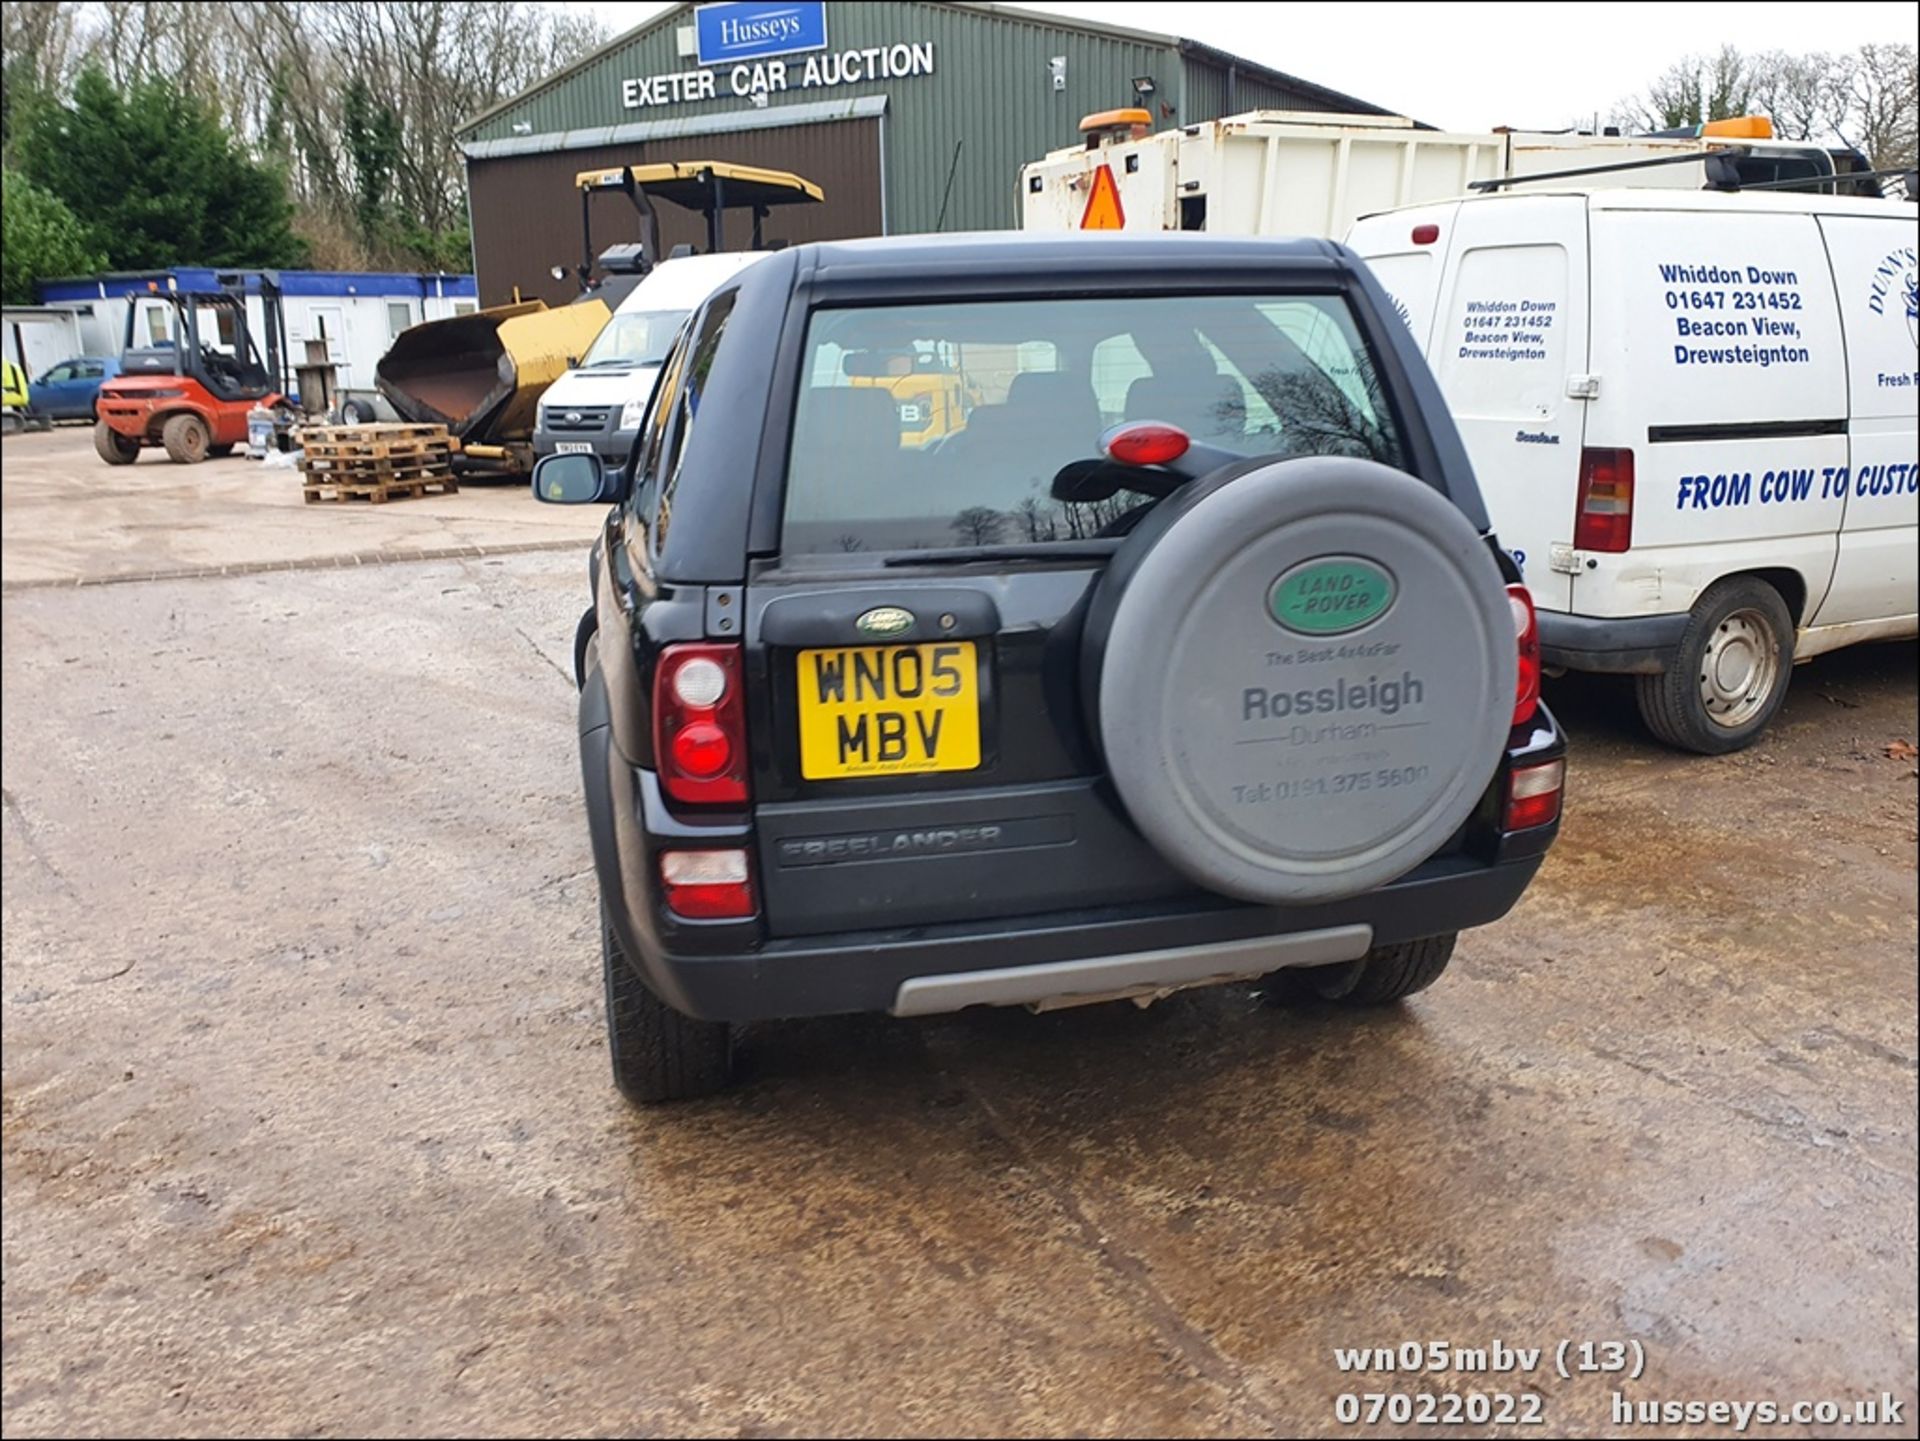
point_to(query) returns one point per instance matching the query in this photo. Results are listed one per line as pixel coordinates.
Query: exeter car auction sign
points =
(740, 45)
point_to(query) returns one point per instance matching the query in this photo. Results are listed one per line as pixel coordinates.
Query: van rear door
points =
(1874, 267)
(1509, 338)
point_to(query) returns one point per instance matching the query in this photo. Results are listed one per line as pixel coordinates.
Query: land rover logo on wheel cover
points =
(885, 620)
(1331, 595)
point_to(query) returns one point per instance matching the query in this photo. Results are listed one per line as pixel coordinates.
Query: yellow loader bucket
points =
(482, 375)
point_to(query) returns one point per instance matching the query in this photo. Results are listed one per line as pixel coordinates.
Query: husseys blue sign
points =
(726, 33)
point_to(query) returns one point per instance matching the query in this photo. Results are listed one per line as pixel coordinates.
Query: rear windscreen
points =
(931, 426)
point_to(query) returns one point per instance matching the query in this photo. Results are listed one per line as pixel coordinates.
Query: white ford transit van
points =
(1693, 417)
(597, 405)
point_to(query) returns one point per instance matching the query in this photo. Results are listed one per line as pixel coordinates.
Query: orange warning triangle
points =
(1103, 210)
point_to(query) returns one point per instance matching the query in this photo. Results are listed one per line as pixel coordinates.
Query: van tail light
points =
(1425, 234)
(707, 885)
(1526, 634)
(1533, 795)
(700, 724)
(1604, 521)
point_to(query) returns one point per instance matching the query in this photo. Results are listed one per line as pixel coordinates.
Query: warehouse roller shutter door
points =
(526, 212)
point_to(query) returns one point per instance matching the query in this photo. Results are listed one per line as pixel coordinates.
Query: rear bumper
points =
(1633, 645)
(728, 971)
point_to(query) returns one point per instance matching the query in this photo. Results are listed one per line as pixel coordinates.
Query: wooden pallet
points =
(375, 431)
(372, 467)
(377, 492)
(376, 449)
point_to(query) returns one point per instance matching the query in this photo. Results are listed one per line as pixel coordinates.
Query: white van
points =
(1692, 416)
(597, 405)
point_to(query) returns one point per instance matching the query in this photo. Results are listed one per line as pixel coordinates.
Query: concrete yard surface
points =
(308, 1127)
(71, 517)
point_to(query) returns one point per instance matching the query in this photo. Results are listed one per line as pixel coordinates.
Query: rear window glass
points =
(930, 426)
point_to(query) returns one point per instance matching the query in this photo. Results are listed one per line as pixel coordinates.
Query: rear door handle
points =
(832, 617)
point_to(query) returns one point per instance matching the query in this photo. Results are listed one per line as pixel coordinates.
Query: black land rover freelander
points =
(1178, 652)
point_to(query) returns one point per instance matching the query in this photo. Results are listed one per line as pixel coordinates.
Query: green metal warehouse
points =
(910, 115)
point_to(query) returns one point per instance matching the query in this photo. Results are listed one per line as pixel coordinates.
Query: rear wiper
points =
(1094, 549)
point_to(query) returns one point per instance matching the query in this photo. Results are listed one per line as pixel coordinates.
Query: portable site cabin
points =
(358, 314)
(38, 337)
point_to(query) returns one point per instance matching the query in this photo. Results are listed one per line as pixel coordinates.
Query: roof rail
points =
(1692, 157)
(1843, 177)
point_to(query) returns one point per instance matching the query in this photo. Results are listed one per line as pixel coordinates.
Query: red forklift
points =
(191, 391)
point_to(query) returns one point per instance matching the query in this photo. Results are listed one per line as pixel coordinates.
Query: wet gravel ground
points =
(308, 1128)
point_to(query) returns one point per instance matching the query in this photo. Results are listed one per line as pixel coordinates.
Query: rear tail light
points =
(707, 885)
(1604, 521)
(700, 724)
(1425, 234)
(1526, 634)
(1533, 795)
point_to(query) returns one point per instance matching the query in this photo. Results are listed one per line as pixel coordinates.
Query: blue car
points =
(66, 391)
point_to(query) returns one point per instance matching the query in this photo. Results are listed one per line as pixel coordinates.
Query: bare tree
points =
(1729, 85)
(978, 525)
(41, 46)
(1036, 519)
(1884, 94)
(1804, 95)
(1867, 100)
(1693, 89)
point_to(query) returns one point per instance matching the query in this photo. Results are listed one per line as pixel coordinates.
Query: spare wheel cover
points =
(1306, 678)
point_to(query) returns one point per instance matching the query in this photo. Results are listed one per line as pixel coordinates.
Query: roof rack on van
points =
(1720, 177)
(1905, 173)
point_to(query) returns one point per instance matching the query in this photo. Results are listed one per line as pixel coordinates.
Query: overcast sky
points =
(1471, 67)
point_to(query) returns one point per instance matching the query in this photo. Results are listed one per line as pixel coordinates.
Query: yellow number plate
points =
(889, 710)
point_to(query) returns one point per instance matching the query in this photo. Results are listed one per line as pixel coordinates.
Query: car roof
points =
(1009, 264)
(1081, 250)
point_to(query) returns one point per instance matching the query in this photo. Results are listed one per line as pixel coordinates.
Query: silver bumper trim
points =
(1141, 972)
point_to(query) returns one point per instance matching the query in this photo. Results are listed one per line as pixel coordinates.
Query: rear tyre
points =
(657, 1053)
(356, 412)
(1383, 975)
(1729, 674)
(221, 451)
(186, 438)
(10, 423)
(113, 447)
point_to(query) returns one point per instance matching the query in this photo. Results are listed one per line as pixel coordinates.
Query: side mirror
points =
(576, 478)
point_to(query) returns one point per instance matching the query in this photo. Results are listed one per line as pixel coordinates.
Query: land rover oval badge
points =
(885, 621)
(1331, 595)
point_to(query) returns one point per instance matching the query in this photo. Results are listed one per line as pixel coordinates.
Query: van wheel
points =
(186, 438)
(1384, 974)
(113, 447)
(657, 1053)
(1729, 674)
